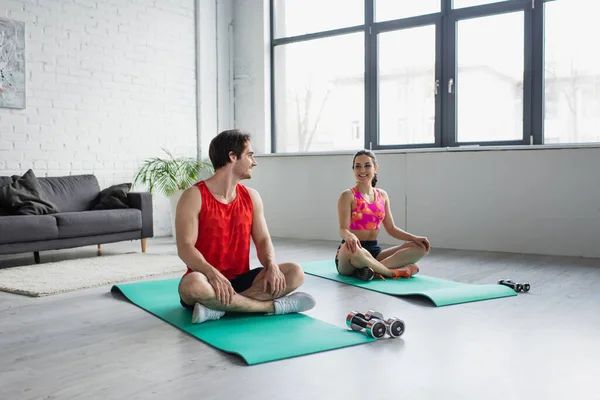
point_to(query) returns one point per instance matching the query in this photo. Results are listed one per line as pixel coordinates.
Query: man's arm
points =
(186, 227)
(260, 232)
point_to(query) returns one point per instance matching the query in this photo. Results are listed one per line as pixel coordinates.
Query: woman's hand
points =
(352, 243)
(422, 241)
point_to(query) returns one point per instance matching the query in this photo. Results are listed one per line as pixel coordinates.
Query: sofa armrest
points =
(143, 202)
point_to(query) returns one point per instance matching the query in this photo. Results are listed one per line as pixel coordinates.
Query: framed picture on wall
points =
(12, 64)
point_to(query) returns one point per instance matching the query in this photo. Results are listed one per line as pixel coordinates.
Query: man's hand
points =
(422, 241)
(222, 286)
(352, 243)
(274, 281)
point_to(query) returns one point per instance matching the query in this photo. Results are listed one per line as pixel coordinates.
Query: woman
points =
(361, 211)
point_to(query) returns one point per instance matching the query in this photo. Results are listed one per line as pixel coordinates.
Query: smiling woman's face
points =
(364, 169)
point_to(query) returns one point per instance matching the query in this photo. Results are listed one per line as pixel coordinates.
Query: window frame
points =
(445, 68)
(451, 69)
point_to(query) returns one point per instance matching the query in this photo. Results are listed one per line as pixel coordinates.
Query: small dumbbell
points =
(525, 287)
(374, 328)
(394, 326)
(521, 287)
(517, 287)
(514, 286)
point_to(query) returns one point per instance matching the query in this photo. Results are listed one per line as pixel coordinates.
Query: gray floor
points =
(542, 345)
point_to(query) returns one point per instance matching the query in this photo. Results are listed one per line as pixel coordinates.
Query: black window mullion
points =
(409, 22)
(317, 35)
(439, 80)
(449, 72)
(527, 77)
(272, 73)
(537, 73)
(371, 85)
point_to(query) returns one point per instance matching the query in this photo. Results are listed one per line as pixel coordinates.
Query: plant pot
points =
(174, 199)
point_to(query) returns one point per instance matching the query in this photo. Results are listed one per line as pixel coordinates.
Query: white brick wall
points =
(109, 82)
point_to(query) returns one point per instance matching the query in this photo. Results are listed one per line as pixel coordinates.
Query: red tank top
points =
(224, 231)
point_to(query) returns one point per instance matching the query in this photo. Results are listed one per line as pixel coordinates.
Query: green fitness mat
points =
(441, 292)
(257, 338)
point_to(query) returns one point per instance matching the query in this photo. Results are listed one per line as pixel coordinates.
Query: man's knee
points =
(294, 275)
(195, 286)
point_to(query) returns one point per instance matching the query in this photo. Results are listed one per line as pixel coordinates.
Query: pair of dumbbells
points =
(375, 325)
(517, 287)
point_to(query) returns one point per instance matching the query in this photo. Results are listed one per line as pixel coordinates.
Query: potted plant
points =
(170, 177)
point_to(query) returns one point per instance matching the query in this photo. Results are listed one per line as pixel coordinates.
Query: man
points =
(215, 220)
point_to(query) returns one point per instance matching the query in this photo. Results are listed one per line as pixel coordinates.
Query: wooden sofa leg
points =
(36, 257)
(144, 241)
(99, 247)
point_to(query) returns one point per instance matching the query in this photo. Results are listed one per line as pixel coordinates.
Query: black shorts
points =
(240, 284)
(372, 246)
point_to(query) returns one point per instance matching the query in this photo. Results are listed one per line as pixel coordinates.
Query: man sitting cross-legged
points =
(215, 220)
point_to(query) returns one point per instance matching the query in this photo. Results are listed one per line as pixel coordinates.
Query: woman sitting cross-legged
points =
(361, 211)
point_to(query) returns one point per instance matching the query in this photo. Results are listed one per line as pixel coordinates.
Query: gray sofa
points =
(78, 216)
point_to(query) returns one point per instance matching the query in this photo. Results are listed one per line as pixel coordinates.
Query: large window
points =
(489, 75)
(572, 72)
(320, 94)
(386, 74)
(407, 86)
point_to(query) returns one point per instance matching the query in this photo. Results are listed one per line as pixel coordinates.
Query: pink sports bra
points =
(367, 216)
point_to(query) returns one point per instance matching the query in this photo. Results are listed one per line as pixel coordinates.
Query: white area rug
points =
(69, 275)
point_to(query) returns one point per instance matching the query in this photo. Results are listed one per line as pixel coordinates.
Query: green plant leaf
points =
(166, 176)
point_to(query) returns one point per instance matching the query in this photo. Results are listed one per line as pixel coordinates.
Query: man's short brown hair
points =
(224, 143)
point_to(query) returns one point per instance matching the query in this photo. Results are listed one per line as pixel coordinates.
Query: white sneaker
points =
(203, 313)
(296, 302)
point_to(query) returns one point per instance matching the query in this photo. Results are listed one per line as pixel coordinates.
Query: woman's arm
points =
(344, 216)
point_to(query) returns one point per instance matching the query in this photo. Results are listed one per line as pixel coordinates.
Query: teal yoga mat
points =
(257, 338)
(440, 291)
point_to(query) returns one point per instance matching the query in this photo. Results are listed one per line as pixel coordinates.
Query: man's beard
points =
(244, 174)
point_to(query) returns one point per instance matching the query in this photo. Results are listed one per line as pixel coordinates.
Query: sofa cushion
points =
(27, 228)
(25, 196)
(98, 222)
(113, 197)
(5, 180)
(71, 193)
